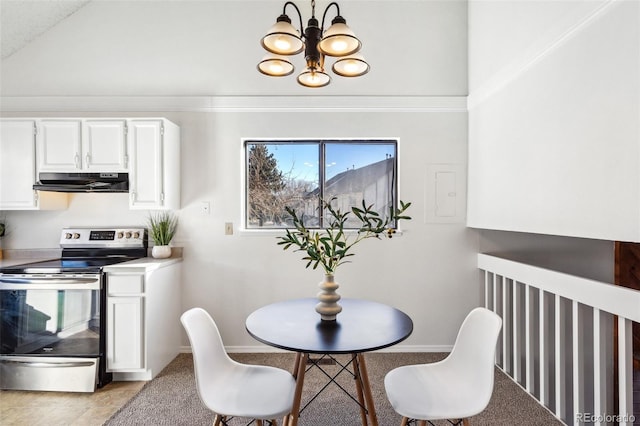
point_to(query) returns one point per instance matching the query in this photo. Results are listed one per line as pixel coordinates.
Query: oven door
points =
(50, 332)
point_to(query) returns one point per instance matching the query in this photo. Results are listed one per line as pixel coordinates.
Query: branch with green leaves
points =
(329, 247)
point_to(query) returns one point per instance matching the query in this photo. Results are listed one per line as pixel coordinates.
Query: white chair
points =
(229, 388)
(455, 388)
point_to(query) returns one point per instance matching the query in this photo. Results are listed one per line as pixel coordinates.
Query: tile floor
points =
(22, 408)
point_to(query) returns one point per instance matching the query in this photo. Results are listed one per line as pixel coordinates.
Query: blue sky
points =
(302, 159)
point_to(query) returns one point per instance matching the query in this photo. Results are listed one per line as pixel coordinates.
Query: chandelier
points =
(283, 41)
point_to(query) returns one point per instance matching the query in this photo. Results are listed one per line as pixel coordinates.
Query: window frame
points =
(322, 144)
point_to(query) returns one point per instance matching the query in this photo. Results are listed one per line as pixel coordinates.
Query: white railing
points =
(558, 336)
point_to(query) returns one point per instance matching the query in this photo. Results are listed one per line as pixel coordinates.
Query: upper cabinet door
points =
(59, 146)
(104, 146)
(17, 165)
(146, 187)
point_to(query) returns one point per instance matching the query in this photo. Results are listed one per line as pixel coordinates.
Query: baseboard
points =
(269, 349)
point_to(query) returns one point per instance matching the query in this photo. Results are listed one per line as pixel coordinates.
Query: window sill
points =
(244, 232)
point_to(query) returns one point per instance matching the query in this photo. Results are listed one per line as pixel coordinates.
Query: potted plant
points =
(162, 227)
(331, 246)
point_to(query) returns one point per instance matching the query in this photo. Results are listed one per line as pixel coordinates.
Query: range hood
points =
(83, 182)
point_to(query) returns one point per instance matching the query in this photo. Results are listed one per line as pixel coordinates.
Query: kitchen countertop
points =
(146, 264)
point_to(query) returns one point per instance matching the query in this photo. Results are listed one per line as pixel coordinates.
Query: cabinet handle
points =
(133, 196)
(87, 159)
(76, 158)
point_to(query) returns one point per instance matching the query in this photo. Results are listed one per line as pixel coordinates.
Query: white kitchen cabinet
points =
(125, 327)
(18, 169)
(104, 145)
(143, 318)
(78, 145)
(59, 145)
(154, 151)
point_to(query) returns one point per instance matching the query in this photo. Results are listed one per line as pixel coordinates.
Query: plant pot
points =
(328, 307)
(161, 252)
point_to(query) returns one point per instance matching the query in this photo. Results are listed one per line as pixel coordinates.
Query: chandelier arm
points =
(284, 8)
(324, 15)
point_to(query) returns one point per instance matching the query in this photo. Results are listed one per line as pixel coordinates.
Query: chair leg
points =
(404, 422)
(258, 422)
(422, 423)
(465, 422)
(217, 420)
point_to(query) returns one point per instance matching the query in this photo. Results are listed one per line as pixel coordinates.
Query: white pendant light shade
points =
(314, 78)
(339, 40)
(283, 39)
(351, 66)
(275, 66)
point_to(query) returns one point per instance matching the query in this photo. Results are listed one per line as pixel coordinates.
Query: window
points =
(298, 173)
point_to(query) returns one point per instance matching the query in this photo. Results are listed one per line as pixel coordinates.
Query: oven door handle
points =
(49, 284)
(41, 364)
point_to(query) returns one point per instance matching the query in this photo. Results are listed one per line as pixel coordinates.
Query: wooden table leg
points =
(358, 380)
(299, 370)
(368, 397)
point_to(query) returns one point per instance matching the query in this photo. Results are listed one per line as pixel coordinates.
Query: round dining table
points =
(362, 326)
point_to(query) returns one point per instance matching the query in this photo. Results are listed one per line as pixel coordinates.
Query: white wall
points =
(428, 271)
(108, 49)
(212, 47)
(554, 139)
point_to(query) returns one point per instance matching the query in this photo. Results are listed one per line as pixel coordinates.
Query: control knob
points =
(127, 235)
(120, 234)
(136, 235)
(67, 236)
(76, 236)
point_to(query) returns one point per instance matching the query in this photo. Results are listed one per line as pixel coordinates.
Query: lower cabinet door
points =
(125, 337)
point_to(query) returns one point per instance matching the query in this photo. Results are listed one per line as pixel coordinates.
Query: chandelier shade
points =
(339, 40)
(275, 66)
(351, 66)
(314, 78)
(284, 40)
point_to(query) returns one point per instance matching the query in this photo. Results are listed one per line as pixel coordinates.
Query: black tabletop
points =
(362, 326)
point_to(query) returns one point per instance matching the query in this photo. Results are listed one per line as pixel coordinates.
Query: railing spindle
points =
(560, 355)
(578, 360)
(625, 371)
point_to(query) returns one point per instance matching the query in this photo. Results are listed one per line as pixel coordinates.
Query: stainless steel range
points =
(52, 322)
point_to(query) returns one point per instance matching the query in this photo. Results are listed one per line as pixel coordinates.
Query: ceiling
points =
(22, 21)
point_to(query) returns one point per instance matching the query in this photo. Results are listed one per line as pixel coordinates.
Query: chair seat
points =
(431, 392)
(253, 391)
(229, 388)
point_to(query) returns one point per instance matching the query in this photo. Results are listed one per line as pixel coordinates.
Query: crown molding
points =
(233, 103)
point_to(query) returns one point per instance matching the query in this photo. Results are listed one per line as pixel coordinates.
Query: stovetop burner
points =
(88, 250)
(69, 265)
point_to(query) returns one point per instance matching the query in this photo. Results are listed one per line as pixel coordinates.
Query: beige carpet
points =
(171, 398)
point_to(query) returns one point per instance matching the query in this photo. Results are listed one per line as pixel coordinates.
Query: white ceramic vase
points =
(328, 307)
(161, 252)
